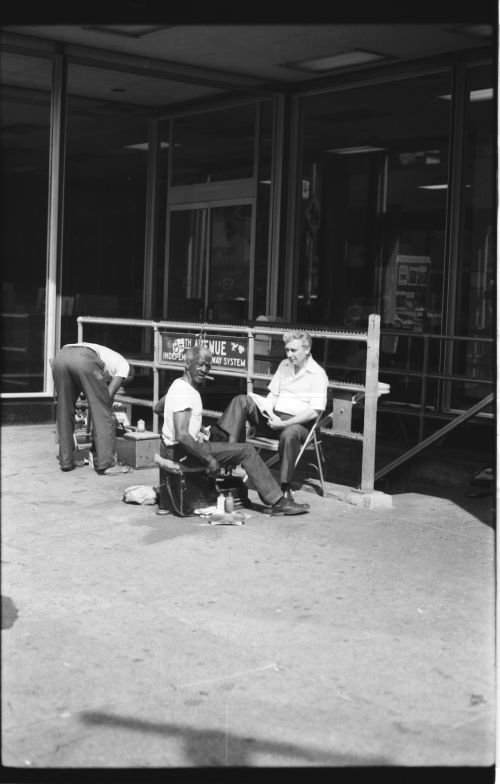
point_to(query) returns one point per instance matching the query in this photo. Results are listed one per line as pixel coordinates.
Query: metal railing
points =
(202, 331)
(422, 373)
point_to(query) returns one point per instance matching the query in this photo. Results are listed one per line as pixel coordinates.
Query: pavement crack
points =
(272, 666)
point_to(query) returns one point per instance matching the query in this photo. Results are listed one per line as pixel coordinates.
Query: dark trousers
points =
(78, 369)
(242, 409)
(232, 455)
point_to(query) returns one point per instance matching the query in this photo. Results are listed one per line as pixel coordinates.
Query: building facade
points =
(367, 192)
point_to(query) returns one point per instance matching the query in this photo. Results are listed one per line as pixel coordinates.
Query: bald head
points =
(198, 361)
(195, 353)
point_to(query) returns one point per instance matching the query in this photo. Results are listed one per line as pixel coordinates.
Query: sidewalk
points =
(345, 637)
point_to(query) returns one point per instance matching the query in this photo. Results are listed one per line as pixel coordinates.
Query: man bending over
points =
(98, 372)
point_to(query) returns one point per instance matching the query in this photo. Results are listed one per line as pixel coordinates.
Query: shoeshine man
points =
(183, 438)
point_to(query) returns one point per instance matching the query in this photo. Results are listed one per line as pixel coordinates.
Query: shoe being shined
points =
(285, 506)
(289, 497)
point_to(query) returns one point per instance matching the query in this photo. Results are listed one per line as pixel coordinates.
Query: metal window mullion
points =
(212, 105)
(55, 218)
(275, 207)
(206, 239)
(254, 207)
(168, 217)
(293, 229)
(452, 250)
(151, 218)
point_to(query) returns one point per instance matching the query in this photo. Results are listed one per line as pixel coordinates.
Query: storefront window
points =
(210, 277)
(373, 204)
(214, 146)
(105, 209)
(218, 249)
(374, 212)
(25, 125)
(373, 196)
(477, 248)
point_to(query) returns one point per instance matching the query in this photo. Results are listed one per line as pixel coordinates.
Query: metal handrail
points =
(423, 372)
(370, 388)
(425, 375)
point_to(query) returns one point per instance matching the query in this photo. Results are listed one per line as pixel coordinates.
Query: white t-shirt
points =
(181, 396)
(297, 391)
(116, 365)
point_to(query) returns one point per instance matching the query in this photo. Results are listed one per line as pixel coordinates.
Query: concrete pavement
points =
(345, 637)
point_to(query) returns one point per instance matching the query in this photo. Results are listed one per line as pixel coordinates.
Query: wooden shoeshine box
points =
(137, 449)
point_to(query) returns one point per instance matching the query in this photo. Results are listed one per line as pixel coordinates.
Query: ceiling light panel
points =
(342, 60)
(127, 31)
(356, 150)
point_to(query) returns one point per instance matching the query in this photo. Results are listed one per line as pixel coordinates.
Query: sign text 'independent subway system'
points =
(227, 351)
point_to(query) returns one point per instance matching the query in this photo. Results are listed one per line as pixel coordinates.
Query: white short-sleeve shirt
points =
(116, 365)
(181, 396)
(297, 391)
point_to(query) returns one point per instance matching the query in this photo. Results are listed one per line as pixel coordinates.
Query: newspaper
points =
(264, 404)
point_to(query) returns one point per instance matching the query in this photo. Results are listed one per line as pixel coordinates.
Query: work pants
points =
(231, 455)
(242, 409)
(79, 369)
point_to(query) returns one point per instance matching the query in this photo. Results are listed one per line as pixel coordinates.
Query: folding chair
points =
(311, 444)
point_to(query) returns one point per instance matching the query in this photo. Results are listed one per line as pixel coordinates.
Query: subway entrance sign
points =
(228, 352)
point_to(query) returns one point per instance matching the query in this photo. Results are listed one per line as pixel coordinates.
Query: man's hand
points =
(275, 422)
(213, 466)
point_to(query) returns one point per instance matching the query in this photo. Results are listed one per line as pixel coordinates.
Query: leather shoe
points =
(285, 506)
(289, 497)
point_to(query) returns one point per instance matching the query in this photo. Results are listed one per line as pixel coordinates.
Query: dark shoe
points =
(287, 507)
(289, 497)
(68, 468)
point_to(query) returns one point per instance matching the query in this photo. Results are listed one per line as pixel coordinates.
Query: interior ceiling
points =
(203, 60)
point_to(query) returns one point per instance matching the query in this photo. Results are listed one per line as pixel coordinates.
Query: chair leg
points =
(319, 456)
(272, 461)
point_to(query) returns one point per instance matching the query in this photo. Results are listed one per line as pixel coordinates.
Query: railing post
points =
(250, 361)
(80, 330)
(423, 391)
(156, 373)
(371, 397)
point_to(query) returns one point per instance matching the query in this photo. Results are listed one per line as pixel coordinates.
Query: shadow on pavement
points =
(482, 507)
(216, 748)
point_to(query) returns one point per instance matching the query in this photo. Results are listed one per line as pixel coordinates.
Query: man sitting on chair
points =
(297, 395)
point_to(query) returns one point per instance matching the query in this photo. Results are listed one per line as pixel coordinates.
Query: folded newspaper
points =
(264, 404)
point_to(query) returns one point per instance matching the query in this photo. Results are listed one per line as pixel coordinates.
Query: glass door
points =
(209, 263)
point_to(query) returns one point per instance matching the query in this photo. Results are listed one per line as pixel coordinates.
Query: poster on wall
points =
(228, 352)
(412, 285)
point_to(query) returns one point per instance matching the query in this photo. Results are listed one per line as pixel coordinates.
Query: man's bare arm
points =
(114, 385)
(198, 449)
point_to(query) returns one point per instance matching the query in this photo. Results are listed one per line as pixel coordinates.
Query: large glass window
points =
(373, 204)
(474, 313)
(214, 146)
(373, 198)
(25, 127)
(210, 274)
(218, 252)
(377, 232)
(105, 208)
